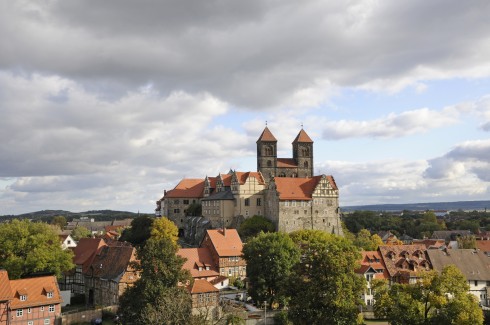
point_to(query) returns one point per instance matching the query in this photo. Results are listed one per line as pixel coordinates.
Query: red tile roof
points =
(267, 136)
(198, 257)
(85, 251)
(373, 259)
(202, 286)
(226, 178)
(302, 137)
(397, 257)
(36, 291)
(5, 289)
(227, 243)
(293, 188)
(286, 162)
(187, 188)
(243, 176)
(483, 245)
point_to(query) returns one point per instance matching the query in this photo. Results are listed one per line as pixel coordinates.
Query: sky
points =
(105, 104)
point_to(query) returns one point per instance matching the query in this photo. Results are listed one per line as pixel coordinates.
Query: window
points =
(186, 201)
(259, 202)
(296, 211)
(50, 295)
(222, 271)
(42, 308)
(20, 312)
(247, 202)
(29, 310)
(51, 308)
(46, 321)
(269, 163)
(476, 283)
(176, 202)
(176, 210)
(30, 322)
(23, 297)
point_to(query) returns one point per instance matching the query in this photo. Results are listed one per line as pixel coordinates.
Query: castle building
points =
(284, 190)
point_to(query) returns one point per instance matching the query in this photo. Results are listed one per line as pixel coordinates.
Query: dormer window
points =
(49, 294)
(23, 297)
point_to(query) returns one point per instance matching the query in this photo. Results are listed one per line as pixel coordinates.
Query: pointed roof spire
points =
(267, 136)
(302, 137)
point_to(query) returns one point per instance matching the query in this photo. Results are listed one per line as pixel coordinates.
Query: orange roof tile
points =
(36, 291)
(286, 162)
(227, 243)
(373, 259)
(483, 245)
(85, 251)
(299, 188)
(187, 188)
(198, 257)
(394, 264)
(5, 289)
(302, 137)
(267, 136)
(243, 176)
(202, 286)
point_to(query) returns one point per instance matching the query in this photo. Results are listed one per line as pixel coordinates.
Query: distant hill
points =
(450, 206)
(99, 215)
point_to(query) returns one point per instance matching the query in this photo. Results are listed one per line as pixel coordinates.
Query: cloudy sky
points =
(104, 104)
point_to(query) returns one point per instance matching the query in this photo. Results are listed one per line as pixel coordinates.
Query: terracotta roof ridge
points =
(267, 135)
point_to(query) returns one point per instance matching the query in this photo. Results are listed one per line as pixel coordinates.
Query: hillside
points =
(450, 206)
(99, 215)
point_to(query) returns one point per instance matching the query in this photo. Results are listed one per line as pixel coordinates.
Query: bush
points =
(281, 318)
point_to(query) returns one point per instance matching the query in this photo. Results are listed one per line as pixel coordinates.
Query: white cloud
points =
(392, 125)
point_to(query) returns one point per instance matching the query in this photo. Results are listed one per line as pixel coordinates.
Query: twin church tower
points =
(301, 165)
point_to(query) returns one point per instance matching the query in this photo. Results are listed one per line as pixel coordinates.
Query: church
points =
(284, 190)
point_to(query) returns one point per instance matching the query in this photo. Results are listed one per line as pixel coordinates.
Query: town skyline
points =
(106, 109)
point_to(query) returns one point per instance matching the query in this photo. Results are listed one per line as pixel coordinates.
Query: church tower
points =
(267, 154)
(303, 154)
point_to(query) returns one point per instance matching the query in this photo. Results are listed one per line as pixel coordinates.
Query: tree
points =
(434, 299)
(139, 232)
(466, 242)
(164, 228)
(157, 298)
(80, 232)
(254, 225)
(365, 241)
(59, 221)
(27, 247)
(323, 287)
(270, 258)
(194, 209)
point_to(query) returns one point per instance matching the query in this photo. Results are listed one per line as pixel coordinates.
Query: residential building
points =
(372, 267)
(109, 274)
(84, 254)
(199, 263)
(404, 262)
(450, 235)
(226, 247)
(205, 299)
(5, 297)
(474, 264)
(67, 242)
(32, 301)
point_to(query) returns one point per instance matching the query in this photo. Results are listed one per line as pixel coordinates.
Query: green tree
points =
(434, 299)
(139, 232)
(194, 209)
(80, 232)
(254, 225)
(27, 247)
(164, 228)
(466, 242)
(323, 287)
(270, 258)
(365, 241)
(59, 221)
(156, 298)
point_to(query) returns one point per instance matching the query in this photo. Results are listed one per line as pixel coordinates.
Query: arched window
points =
(269, 163)
(268, 151)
